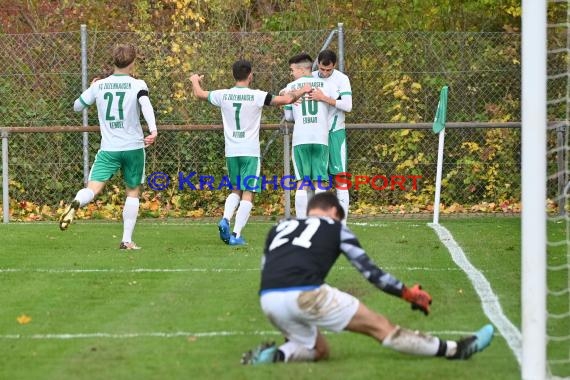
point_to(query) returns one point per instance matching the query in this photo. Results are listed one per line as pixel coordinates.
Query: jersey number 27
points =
(108, 96)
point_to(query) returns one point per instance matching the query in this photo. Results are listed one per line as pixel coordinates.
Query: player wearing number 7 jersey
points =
(298, 256)
(241, 109)
(120, 98)
(310, 133)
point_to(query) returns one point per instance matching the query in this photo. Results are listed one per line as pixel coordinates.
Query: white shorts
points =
(298, 314)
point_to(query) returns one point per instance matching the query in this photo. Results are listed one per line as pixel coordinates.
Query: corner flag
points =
(441, 113)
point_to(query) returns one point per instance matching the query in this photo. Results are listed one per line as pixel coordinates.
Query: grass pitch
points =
(186, 305)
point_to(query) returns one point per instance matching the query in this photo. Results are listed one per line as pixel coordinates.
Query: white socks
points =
(343, 199)
(84, 196)
(232, 201)
(295, 352)
(130, 213)
(301, 203)
(416, 343)
(242, 215)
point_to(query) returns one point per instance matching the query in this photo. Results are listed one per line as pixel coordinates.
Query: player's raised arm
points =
(197, 89)
(343, 102)
(383, 280)
(86, 99)
(291, 96)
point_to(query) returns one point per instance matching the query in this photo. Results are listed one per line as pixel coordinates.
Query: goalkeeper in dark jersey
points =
(298, 256)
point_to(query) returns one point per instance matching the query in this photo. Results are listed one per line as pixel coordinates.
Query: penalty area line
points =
(489, 300)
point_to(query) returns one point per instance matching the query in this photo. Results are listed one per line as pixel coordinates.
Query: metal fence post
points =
(5, 183)
(561, 163)
(340, 29)
(286, 166)
(325, 45)
(84, 87)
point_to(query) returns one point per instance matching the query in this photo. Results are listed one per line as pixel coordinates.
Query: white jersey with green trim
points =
(241, 116)
(119, 111)
(341, 85)
(311, 116)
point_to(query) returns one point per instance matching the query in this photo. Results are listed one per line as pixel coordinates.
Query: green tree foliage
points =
(247, 15)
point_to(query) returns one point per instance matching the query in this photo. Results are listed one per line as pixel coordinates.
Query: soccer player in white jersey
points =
(310, 133)
(295, 297)
(119, 99)
(342, 102)
(241, 109)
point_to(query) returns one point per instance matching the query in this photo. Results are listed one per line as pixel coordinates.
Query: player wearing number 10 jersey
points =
(298, 256)
(120, 98)
(310, 133)
(241, 109)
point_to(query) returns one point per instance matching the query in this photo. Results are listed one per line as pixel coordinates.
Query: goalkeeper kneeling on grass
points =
(299, 254)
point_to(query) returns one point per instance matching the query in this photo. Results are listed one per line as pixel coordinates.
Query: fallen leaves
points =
(24, 319)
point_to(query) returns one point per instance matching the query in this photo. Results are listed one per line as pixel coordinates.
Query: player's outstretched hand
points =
(196, 77)
(419, 298)
(150, 139)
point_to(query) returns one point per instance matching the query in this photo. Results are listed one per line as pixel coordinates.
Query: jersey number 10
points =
(311, 105)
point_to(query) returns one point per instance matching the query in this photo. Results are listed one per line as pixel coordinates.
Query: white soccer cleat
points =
(67, 217)
(129, 246)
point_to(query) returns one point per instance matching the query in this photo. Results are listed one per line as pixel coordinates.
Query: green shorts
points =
(244, 173)
(311, 161)
(130, 162)
(337, 152)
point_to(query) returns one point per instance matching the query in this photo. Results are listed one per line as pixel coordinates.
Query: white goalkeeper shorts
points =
(298, 314)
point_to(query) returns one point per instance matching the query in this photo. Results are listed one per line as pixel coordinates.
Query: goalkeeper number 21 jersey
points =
(299, 254)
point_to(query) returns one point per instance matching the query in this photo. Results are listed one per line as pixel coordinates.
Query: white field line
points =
(189, 223)
(489, 300)
(114, 223)
(175, 334)
(186, 270)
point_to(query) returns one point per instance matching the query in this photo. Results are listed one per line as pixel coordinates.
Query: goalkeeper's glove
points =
(419, 298)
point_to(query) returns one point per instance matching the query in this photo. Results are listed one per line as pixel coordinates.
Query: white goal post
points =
(533, 233)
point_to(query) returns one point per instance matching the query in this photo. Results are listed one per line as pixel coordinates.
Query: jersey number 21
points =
(286, 228)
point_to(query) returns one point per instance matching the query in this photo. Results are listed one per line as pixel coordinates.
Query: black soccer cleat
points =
(468, 346)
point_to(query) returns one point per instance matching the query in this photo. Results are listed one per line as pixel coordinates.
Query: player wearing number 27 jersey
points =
(120, 99)
(117, 98)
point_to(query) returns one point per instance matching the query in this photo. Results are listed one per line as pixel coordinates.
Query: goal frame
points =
(533, 226)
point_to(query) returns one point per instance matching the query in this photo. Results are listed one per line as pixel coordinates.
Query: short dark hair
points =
(124, 55)
(326, 57)
(241, 69)
(300, 58)
(325, 201)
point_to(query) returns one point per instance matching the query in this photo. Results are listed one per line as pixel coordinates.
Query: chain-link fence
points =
(395, 77)
(42, 74)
